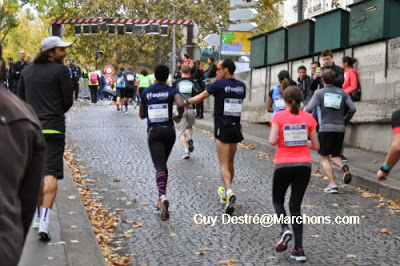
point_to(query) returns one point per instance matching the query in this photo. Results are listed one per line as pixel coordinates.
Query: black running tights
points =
(298, 177)
(161, 140)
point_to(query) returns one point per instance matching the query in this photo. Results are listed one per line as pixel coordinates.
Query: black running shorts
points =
(55, 154)
(330, 143)
(120, 92)
(129, 92)
(229, 134)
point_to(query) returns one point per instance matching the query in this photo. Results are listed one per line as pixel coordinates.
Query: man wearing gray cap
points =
(47, 86)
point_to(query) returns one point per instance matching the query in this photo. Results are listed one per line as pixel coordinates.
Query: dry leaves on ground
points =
(228, 262)
(103, 221)
(247, 146)
(386, 231)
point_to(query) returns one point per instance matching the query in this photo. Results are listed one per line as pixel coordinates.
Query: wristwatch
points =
(384, 170)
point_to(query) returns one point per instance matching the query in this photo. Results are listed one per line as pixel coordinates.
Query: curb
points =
(72, 213)
(361, 178)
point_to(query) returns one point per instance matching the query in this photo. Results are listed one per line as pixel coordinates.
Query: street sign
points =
(213, 39)
(109, 70)
(241, 3)
(110, 80)
(196, 51)
(243, 26)
(241, 14)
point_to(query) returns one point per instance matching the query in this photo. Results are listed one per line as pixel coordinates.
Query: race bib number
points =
(130, 77)
(233, 107)
(332, 100)
(185, 87)
(280, 104)
(158, 113)
(295, 135)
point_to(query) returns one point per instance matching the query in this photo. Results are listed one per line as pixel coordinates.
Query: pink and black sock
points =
(161, 178)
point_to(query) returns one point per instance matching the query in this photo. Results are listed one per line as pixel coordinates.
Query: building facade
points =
(288, 8)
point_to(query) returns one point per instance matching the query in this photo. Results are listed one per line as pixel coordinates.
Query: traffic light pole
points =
(96, 54)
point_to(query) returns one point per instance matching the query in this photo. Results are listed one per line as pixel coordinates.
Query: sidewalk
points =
(73, 241)
(363, 163)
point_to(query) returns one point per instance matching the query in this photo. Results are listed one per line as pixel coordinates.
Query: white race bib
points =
(233, 107)
(332, 100)
(295, 135)
(158, 113)
(185, 87)
(280, 104)
(130, 77)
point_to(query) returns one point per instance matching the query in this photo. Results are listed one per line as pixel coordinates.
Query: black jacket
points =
(339, 78)
(48, 88)
(16, 69)
(212, 71)
(23, 154)
(177, 74)
(305, 86)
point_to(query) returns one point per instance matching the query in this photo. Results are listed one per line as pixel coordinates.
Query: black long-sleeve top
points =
(48, 88)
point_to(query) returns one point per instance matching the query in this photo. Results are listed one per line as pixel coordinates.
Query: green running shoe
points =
(221, 194)
(229, 209)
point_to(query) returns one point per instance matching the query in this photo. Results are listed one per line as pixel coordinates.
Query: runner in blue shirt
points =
(156, 106)
(229, 94)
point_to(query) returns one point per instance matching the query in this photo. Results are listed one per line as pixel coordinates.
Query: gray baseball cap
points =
(53, 42)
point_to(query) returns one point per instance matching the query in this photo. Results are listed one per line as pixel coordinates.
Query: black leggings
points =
(161, 140)
(93, 93)
(298, 177)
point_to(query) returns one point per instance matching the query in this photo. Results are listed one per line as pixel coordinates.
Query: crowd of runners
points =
(308, 114)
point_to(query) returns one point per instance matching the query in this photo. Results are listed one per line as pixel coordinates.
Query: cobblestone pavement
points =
(113, 145)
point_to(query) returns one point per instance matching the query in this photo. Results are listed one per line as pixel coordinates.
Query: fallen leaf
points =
(50, 258)
(228, 262)
(145, 204)
(116, 180)
(364, 216)
(121, 199)
(355, 206)
(272, 258)
(74, 241)
(134, 201)
(106, 163)
(71, 197)
(386, 231)
(352, 256)
(398, 237)
(314, 236)
(375, 161)
(74, 226)
(215, 234)
(325, 177)
(370, 195)
(172, 235)
(137, 225)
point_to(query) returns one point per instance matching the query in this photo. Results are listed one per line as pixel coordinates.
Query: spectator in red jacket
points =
(350, 76)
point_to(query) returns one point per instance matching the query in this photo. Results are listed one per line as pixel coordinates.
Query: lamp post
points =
(173, 42)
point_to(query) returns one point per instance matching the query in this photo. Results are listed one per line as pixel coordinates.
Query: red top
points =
(294, 131)
(350, 81)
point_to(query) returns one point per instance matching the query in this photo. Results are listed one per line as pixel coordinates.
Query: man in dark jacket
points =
(23, 154)
(47, 86)
(177, 74)
(76, 75)
(16, 69)
(304, 83)
(327, 57)
(212, 68)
